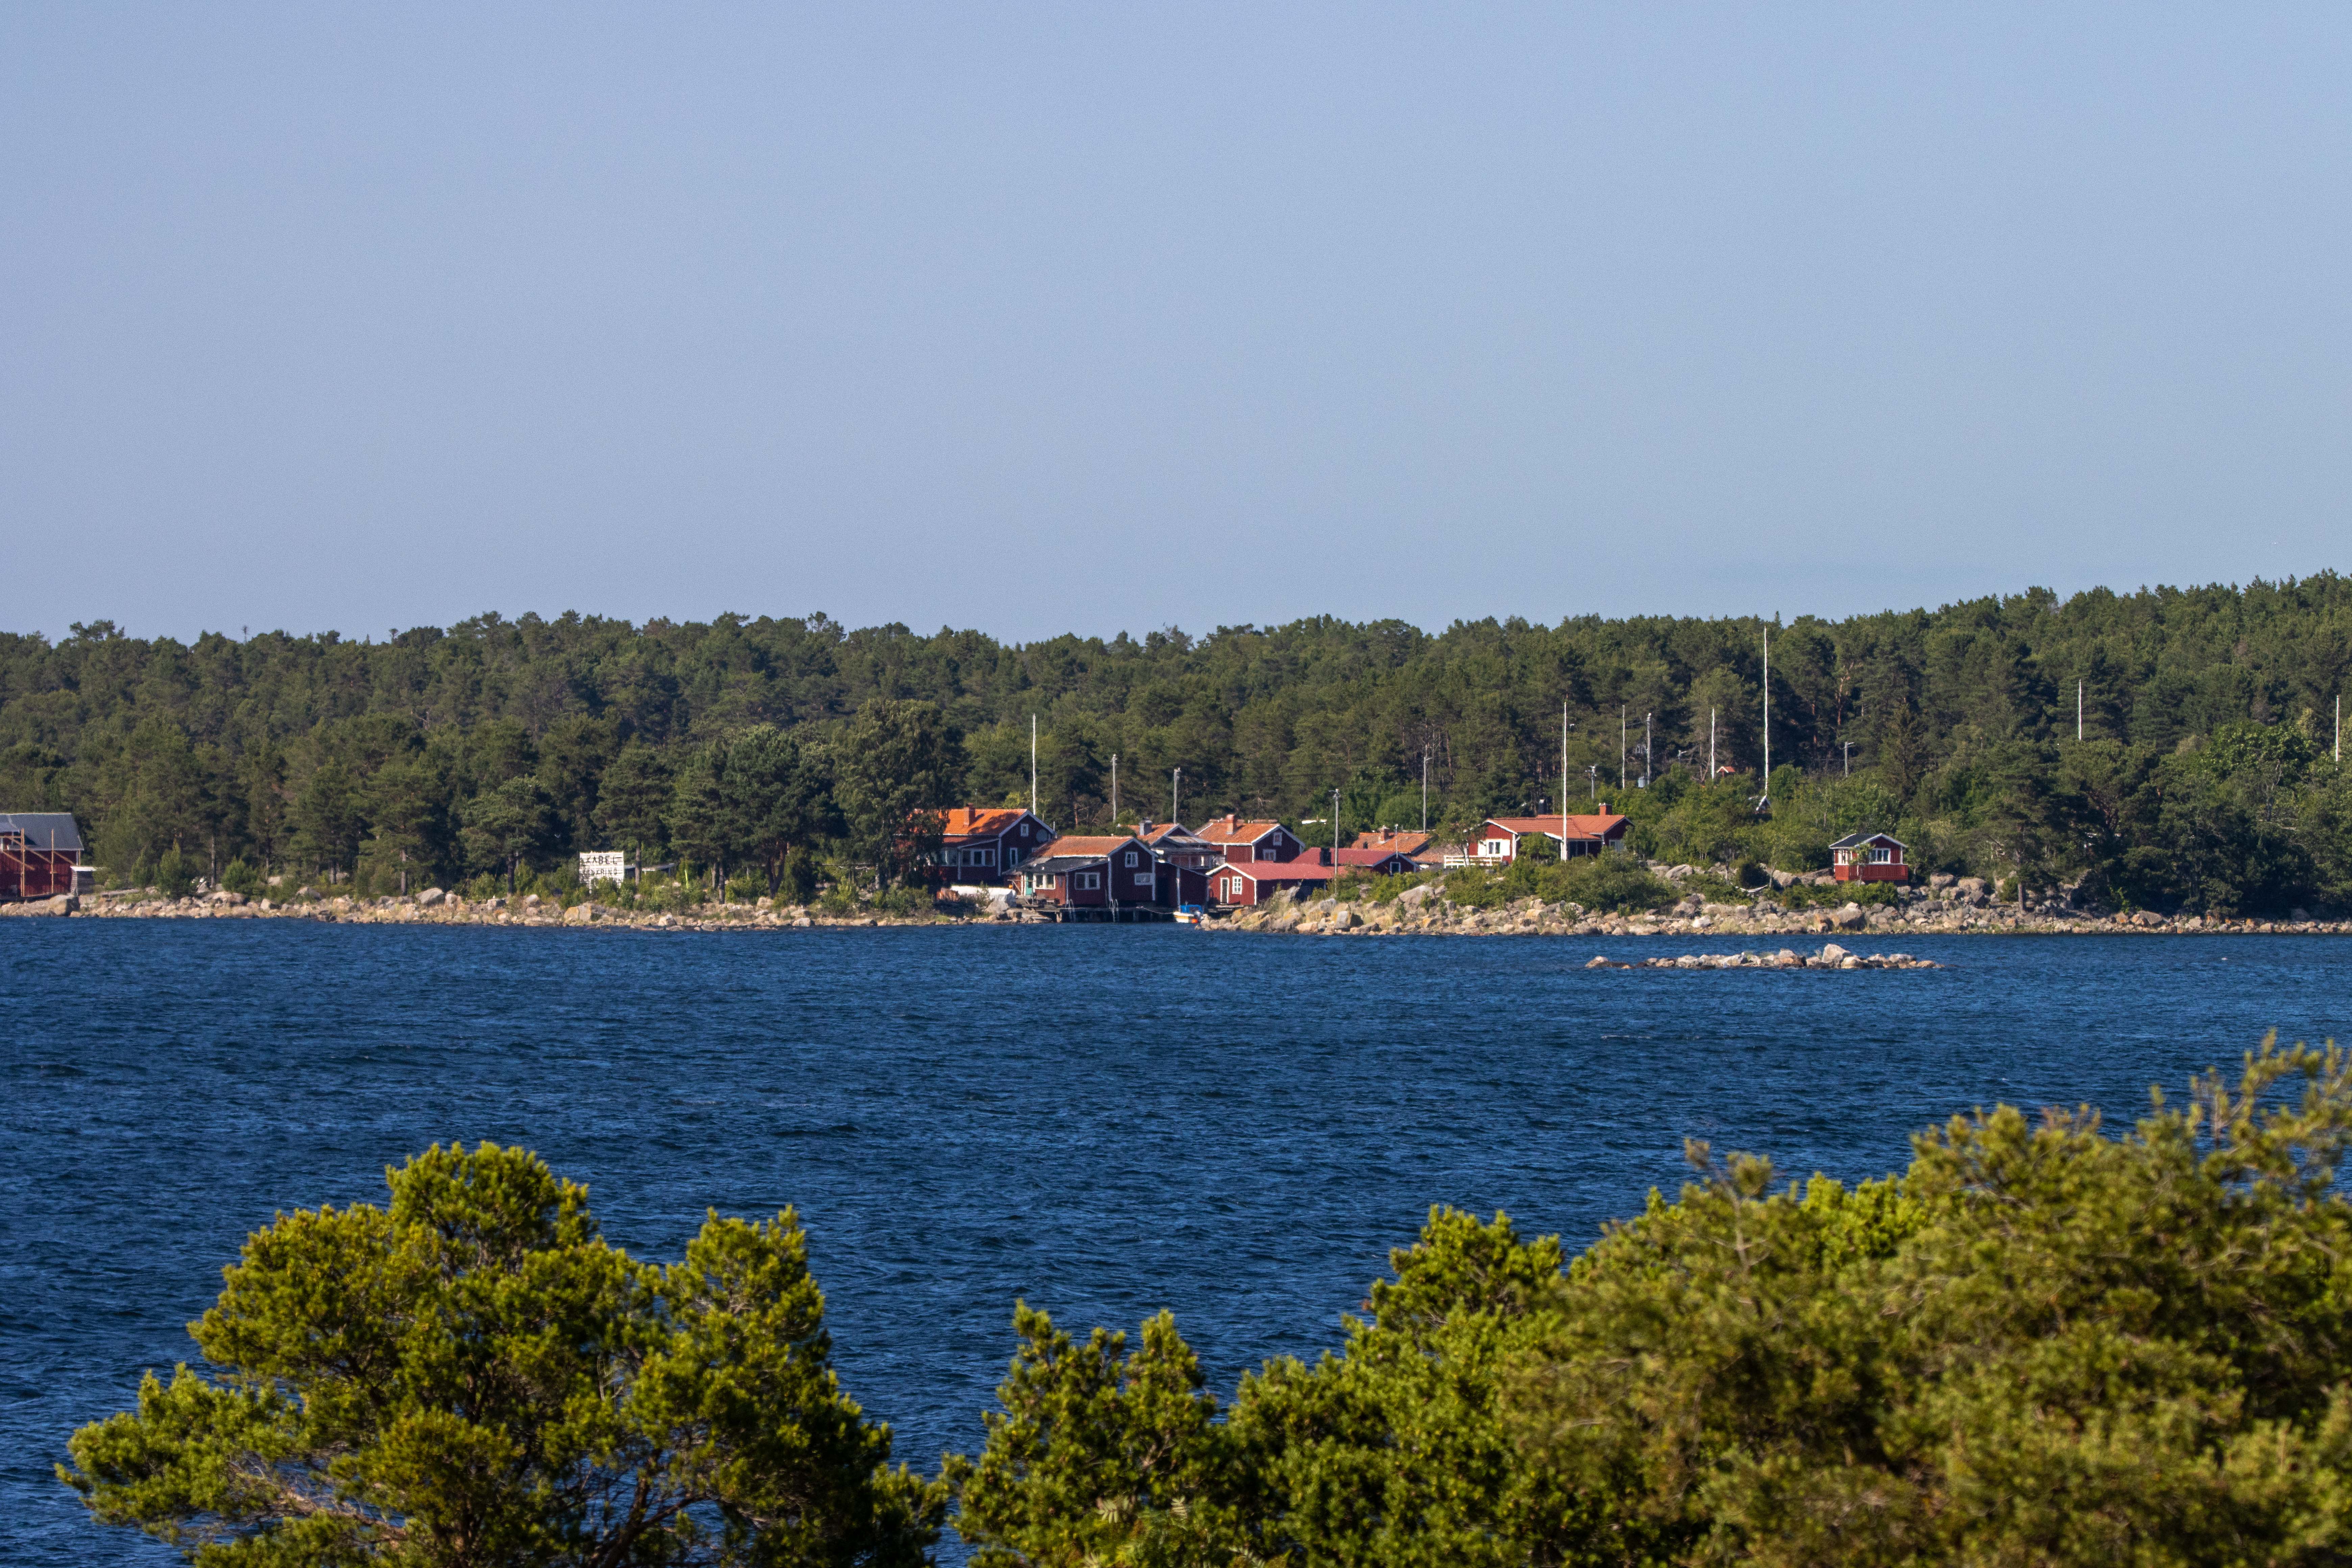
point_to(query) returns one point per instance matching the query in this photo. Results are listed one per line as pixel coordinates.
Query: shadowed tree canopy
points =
(470, 1375)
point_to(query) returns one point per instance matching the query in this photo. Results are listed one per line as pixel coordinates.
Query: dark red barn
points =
(40, 853)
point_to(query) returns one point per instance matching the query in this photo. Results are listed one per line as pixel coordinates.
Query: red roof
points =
(1279, 872)
(980, 821)
(1403, 843)
(1362, 857)
(1232, 829)
(1090, 846)
(1595, 827)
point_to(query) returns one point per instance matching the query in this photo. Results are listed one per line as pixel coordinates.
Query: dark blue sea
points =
(1104, 1120)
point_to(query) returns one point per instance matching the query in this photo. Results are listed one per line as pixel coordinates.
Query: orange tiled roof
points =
(1392, 838)
(1232, 829)
(971, 821)
(1099, 844)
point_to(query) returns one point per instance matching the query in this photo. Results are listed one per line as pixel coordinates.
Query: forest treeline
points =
(2204, 775)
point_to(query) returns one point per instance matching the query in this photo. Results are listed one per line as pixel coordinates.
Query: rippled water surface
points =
(1103, 1120)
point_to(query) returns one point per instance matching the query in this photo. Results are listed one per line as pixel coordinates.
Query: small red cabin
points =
(40, 853)
(1869, 858)
(1262, 881)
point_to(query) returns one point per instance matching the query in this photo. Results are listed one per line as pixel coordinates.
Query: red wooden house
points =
(1377, 862)
(1262, 881)
(1248, 843)
(40, 853)
(1497, 841)
(1097, 873)
(1413, 845)
(981, 844)
(1177, 845)
(1869, 858)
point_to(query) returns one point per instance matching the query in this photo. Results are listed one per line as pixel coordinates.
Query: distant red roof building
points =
(1261, 881)
(1379, 862)
(982, 844)
(1245, 843)
(40, 853)
(1413, 845)
(1495, 841)
(1178, 845)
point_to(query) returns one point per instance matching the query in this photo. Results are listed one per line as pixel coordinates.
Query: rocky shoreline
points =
(1422, 911)
(1419, 911)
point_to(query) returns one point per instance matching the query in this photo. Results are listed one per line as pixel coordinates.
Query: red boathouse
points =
(39, 852)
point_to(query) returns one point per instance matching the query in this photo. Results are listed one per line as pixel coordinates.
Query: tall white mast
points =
(1768, 712)
(1032, 765)
(1563, 781)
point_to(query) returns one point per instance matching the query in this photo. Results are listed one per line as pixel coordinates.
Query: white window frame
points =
(1090, 881)
(1130, 856)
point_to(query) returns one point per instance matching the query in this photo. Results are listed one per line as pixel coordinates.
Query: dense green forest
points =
(2204, 775)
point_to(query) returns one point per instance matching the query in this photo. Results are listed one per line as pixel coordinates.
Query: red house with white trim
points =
(982, 844)
(1869, 858)
(1249, 843)
(1100, 873)
(1262, 881)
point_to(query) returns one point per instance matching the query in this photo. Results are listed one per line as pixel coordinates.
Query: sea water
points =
(1102, 1121)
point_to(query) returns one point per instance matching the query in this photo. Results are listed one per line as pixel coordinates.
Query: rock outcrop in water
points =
(1831, 956)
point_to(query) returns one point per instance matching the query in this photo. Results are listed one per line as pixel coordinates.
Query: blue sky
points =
(1087, 318)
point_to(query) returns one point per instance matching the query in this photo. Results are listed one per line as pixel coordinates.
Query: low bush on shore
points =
(2043, 1342)
(1613, 884)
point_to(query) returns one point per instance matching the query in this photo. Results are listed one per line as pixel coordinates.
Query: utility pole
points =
(1768, 712)
(2339, 726)
(1425, 789)
(1176, 796)
(2078, 707)
(1649, 753)
(1849, 757)
(1563, 781)
(1710, 746)
(1335, 833)
(1114, 789)
(1032, 765)
(1620, 746)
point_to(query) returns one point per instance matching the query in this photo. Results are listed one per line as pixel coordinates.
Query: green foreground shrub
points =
(472, 1375)
(2040, 1344)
